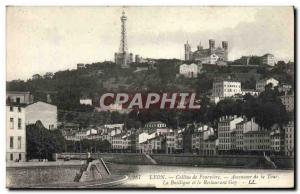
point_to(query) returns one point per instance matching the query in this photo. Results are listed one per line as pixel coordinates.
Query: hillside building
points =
(210, 55)
(189, 71)
(261, 84)
(268, 59)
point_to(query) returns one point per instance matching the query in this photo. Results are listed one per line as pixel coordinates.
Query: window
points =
(19, 109)
(19, 142)
(11, 157)
(11, 142)
(20, 156)
(19, 123)
(11, 108)
(11, 123)
(18, 100)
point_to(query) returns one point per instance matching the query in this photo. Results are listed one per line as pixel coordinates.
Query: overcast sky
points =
(42, 39)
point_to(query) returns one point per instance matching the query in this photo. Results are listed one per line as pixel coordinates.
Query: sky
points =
(49, 39)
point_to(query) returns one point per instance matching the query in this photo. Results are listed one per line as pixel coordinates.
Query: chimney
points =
(225, 45)
(211, 44)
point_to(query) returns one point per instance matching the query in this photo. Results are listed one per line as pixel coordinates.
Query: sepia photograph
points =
(150, 97)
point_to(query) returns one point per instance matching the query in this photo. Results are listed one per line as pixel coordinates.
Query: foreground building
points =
(257, 142)
(242, 128)
(227, 126)
(15, 134)
(18, 116)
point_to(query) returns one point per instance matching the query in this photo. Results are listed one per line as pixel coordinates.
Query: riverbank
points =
(239, 161)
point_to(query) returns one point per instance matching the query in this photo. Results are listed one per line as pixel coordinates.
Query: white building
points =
(86, 101)
(17, 118)
(226, 88)
(109, 127)
(117, 142)
(189, 71)
(249, 91)
(289, 143)
(268, 59)
(261, 84)
(15, 134)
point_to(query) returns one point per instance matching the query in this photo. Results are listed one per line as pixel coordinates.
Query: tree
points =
(42, 143)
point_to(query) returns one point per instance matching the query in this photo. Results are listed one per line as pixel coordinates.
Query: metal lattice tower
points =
(123, 43)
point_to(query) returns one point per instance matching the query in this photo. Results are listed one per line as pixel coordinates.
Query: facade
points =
(151, 143)
(257, 141)
(179, 141)
(209, 146)
(189, 71)
(170, 142)
(226, 88)
(249, 91)
(117, 141)
(46, 113)
(288, 101)
(277, 141)
(260, 85)
(289, 137)
(15, 134)
(210, 55)
(19, 97)
(268, 59)
(204, 140)
(284, 88)
(242, 128)
(81, 135)
(226, 126)
(156, 127)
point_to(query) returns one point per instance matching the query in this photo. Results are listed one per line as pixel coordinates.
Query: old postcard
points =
(150, 97)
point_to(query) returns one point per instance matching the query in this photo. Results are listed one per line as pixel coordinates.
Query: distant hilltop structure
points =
(123, 57)
(211, 55)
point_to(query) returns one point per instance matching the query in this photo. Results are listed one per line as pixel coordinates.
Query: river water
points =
(150, 176)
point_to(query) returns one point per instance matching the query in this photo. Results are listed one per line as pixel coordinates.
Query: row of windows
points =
(11, 142)
(260, 147)
(275, 143)
(11, 123)
(11, 109)
(257, 140)
(12, 157)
